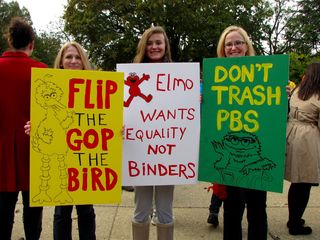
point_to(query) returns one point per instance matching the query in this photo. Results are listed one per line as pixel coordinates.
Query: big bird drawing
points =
(48, 139)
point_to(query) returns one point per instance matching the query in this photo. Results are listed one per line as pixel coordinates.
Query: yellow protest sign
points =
(75, 139)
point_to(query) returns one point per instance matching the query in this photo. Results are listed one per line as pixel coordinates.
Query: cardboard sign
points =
(162, 123)
(243, 121)
(75, 140)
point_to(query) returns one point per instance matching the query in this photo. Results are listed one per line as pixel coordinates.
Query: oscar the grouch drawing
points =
(240, 158)
(49, 139)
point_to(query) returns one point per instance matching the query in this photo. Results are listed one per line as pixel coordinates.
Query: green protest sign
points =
(243, 121)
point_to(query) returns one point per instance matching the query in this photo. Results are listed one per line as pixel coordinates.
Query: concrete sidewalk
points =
(190, 210)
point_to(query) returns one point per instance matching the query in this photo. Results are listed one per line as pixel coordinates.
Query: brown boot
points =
(140, 231)
(165, 231)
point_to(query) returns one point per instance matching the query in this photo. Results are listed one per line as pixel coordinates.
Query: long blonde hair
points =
(84, 57)
(242, 32)
(142, 45)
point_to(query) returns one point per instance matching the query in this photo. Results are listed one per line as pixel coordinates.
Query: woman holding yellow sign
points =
(72, 56)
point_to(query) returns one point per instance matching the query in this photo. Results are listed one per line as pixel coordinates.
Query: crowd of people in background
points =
(301, 169)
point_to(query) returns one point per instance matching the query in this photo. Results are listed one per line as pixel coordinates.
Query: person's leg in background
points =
(62, 223)
(32, 218)
(298, 198)
(214, 209)
(233, 206)
(86, 222)
(256, 214)
(8, 202)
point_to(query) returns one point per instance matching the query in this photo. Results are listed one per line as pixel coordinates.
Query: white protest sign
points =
(162, 123)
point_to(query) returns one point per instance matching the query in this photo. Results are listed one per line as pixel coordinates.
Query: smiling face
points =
(235, 45)
(156, 47)
(71, 59)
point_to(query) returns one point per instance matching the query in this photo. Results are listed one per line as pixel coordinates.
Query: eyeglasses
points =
(237, 44)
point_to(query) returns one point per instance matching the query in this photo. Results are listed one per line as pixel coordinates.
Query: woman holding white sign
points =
(153, 47)
(234, 42)
(72, 56)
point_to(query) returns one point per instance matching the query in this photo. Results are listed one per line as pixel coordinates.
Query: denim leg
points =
(62, 223)
(143, 196)
(86, 222)
(32, 218)
(8, 202)
(233, 207)
(257, 214)
(164, 200)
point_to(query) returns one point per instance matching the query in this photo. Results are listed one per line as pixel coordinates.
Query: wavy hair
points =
(142, 45)
(19, 33)
(84, 57)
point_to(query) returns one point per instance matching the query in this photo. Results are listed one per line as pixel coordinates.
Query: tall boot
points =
(140, 231)
(165, 231)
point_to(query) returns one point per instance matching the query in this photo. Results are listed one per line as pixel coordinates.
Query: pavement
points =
(190, 211)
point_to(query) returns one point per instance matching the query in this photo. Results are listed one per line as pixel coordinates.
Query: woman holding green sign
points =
(234, 42)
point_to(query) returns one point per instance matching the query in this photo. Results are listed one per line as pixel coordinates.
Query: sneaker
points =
(213, 219)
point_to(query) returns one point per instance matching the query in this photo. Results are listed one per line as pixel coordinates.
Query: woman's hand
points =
(27, 128)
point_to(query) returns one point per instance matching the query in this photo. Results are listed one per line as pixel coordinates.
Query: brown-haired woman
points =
(302, 167)
(15, 77)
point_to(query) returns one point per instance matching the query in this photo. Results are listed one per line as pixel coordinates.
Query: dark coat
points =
(15, 80)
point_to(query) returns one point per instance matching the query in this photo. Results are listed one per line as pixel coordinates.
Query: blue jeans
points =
(32, 217)
(234, 205)
(62, 222)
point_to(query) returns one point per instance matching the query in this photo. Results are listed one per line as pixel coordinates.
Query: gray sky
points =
(43, 11)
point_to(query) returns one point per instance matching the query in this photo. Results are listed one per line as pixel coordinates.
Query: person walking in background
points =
(15, 77)
(302, 166)
(153, 47)
(234, 42)
(72, 56)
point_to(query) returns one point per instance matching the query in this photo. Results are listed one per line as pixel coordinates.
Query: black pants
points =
(215, 204)
(298, 198)
(62, 225)
(234, 205)
(32, 217)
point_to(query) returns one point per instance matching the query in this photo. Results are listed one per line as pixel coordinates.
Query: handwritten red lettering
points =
(164, 115)
(169, 84)
(101, 179)
(186, 171)
(91, 138)
(103, 95)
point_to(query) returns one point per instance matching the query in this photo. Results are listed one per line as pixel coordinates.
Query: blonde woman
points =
(72, 56)
(235, 42)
